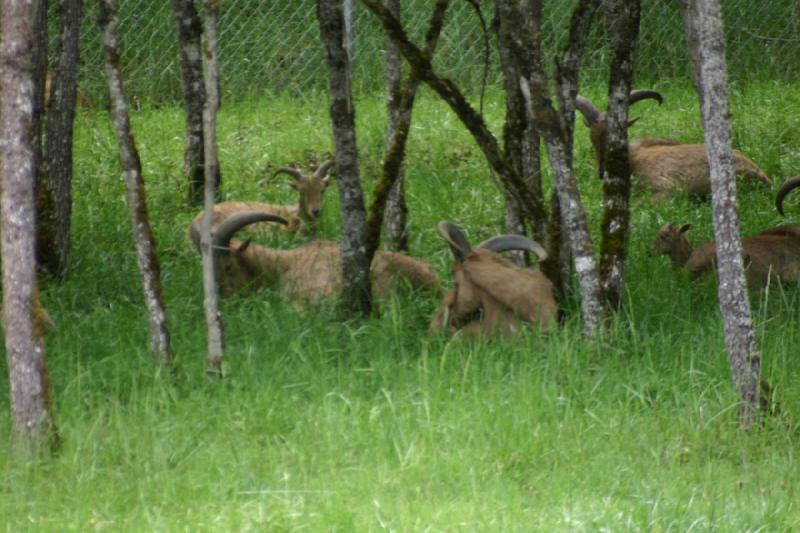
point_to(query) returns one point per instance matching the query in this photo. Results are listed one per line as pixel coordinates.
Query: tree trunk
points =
(216, 339)
(132, 171)
(556, 131)
(355, 264)
(691, 32)
(401, 104)
(734, 304)
(31, 406)
(54, 194)
(190, 29)
(395, 230)
(623, 23)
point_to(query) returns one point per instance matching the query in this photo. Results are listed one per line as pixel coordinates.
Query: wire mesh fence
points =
(274, 45)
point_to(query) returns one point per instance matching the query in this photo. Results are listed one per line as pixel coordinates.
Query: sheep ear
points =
(632, 121)
(503, 243)
(243, 247)
(685, 228)
(455, 238)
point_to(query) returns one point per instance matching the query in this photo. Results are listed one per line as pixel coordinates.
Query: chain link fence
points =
(273, 45)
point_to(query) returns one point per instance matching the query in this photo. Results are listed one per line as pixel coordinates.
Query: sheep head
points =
(786, 188)
(671, 240)
(310, 190)
(490, 293)
(597, 121)
(237, 267)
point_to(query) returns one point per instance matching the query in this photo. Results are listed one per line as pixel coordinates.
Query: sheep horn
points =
(455, 238)
(294, 172)
(587, 108)
(222, 236)
(643, 94)
(501, 243)
(323, 169)
(790, 184)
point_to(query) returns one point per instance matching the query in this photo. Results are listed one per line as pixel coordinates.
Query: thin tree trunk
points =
(556, 131)
(421, 67)
(355, 264)
(395, 230)
(34, 429)
(190, 29)
(623, 22)
(734, 304)
(54, 194)
(691, 32)
(400, 110)
(216, 340)
(132, 171)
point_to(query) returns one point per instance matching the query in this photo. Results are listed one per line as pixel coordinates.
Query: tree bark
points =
(691, 31)
(190, 29)
(623, 23)
(556, 131)
(734, 304)
(132, 171)
(216, 339)
(54, 194)
(422, 68)
(32, 420)
(401, 104)
(356, 295)
(394, 225)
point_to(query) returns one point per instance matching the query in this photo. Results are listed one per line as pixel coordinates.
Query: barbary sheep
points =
(665, 166)
(493, 295)
(772, 255)
(301, 217)
(309, 273)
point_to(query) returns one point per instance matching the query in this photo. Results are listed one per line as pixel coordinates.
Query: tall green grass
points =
(361, 424)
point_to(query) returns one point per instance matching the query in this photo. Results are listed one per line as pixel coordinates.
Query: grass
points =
(370, 424)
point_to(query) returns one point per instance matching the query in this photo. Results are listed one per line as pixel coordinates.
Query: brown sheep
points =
(665, 166)
(301, 217)
(309, 273)
(491, 294)
(772, 255)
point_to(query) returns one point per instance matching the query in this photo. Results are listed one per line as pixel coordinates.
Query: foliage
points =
(358, 425)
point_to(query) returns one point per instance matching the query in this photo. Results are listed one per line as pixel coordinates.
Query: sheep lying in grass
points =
(772, 255)
(491, 294)
(309, 273)
(665, 166)
(301, 217)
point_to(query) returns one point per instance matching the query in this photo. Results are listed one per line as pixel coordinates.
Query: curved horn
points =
(455, 238)
(787, 187)
(587, 108)
(501, 243)
(232, 224)
(644, 94)
(294, 172)
(323, 169)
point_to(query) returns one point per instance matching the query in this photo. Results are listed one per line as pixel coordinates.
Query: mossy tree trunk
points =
(356, 294)
(733, 300)
(149, 269)
(54, 192)
(214, 323)
(34, 429)
(190, 30)
(623, 25)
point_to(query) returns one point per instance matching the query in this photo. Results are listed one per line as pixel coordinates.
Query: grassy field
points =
(325, 424)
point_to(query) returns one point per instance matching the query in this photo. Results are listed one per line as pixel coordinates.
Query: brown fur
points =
(493, 295)
(773, 255)
(664, 166)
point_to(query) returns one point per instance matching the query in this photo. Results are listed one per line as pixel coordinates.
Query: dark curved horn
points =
(232, 224)
(644, 94)
(587, 108)
(294, 172)
(455, 238)
(502, 243)
(323, 169)
(787, 187)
